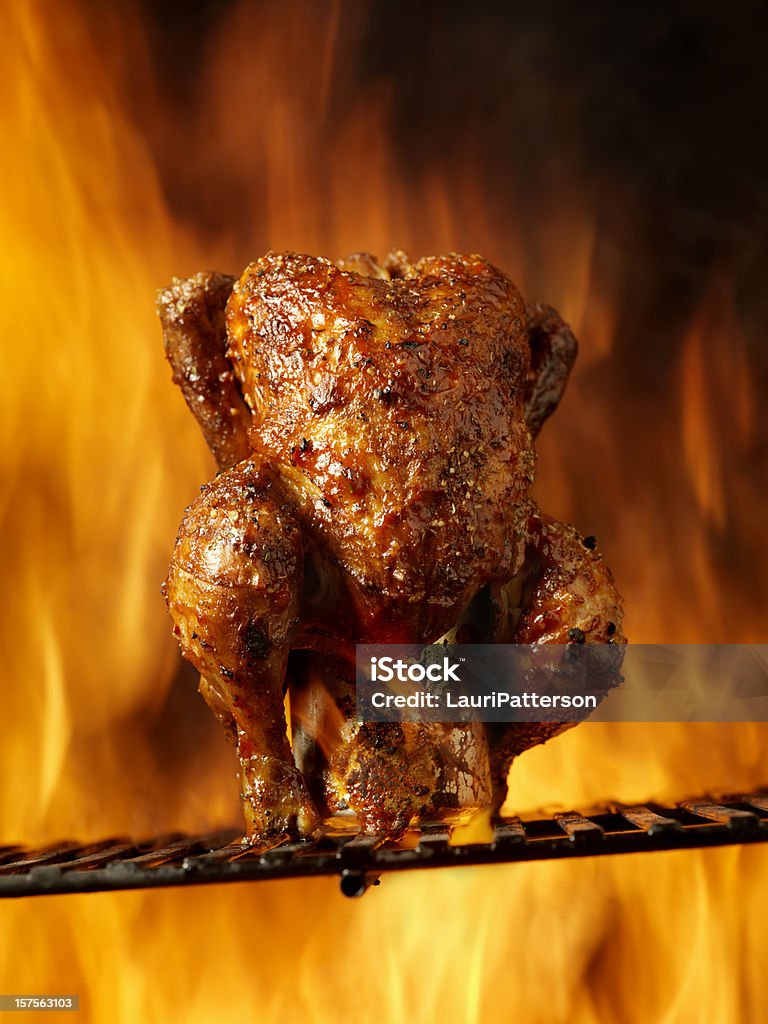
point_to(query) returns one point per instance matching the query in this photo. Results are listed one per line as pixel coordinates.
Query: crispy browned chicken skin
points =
(374, 427)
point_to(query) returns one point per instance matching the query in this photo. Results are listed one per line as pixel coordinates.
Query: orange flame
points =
(100, 456)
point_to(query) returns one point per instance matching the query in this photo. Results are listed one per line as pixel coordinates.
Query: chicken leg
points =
(233, 592)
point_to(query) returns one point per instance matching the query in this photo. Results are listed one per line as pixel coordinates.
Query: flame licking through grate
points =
(359, 860)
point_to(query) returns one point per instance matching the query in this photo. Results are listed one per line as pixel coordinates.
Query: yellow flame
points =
(99, 457)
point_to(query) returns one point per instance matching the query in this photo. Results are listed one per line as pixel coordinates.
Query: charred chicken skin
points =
(373, 426)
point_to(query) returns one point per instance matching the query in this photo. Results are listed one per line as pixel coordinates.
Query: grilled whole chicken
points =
(373, 426)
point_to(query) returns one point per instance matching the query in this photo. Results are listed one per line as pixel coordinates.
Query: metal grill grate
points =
(358, 861)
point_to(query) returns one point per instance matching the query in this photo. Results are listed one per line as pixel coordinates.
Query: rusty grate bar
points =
(579, 829)
(359, 861)
(648, 820)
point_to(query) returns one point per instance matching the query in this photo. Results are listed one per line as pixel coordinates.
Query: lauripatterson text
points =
(498, 699)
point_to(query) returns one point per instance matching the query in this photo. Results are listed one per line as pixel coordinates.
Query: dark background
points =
(653, 115)
(666, 102)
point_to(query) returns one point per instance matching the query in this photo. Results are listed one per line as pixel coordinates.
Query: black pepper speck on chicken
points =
(374, 428)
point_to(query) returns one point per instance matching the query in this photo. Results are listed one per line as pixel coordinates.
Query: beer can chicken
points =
(373, 425)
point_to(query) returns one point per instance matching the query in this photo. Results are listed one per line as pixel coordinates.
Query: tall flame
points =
(102, 732)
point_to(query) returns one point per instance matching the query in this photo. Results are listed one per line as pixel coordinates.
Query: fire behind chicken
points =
(373, 424)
